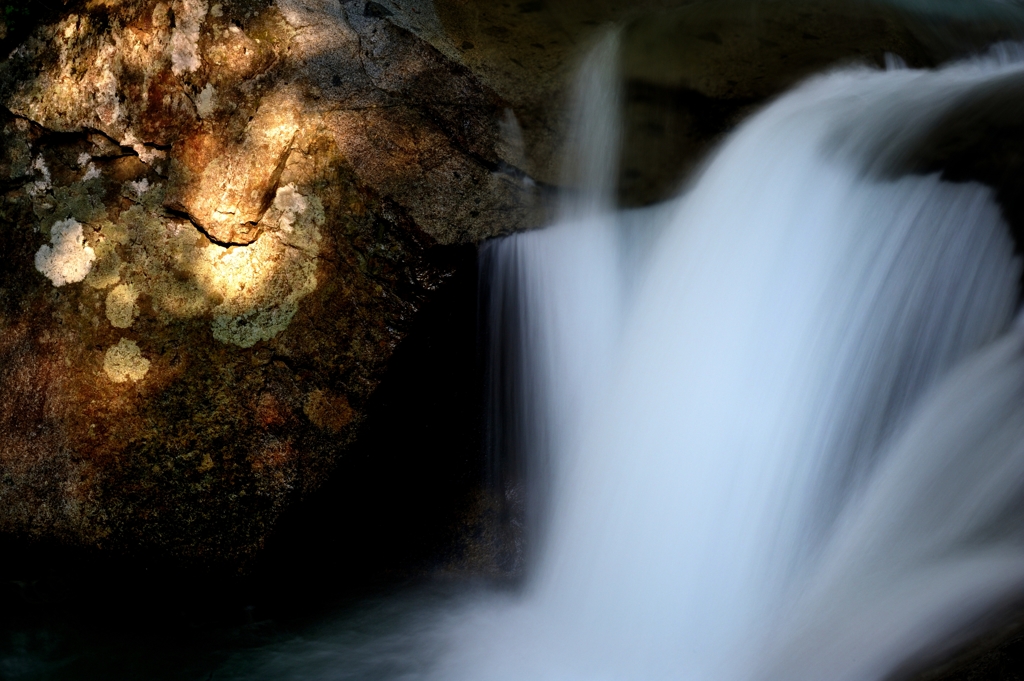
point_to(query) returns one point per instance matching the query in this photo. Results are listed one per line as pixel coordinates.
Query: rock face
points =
(219, 218)
(217, 222)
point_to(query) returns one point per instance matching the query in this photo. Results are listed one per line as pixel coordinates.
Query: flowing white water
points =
(785, 442)
(779, 420)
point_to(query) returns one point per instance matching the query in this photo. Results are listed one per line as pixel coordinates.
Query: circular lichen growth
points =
(124, 362)
(68, 258)
(121, 308)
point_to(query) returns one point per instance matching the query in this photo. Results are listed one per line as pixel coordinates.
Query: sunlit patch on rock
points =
(225, 189)
(262, 284)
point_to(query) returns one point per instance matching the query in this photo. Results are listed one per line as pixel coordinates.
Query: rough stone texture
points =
(186, 423)
(217, 220)
(528, 52)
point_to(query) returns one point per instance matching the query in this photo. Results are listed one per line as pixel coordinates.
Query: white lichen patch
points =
(205, 101)
(91, 172)
(67, 259)
(139, 187)
(290, 204)
(188, 17)
(121, 307)
(42, 172)
(124, 362)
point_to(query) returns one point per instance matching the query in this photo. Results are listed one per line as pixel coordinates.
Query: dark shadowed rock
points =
(981, 140)
(695, 72)
(693, 69)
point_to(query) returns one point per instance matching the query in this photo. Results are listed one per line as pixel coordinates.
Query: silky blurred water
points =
(721, 412)
(779, 421)
(771, 429)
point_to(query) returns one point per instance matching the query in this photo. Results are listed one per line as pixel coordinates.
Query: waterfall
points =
(773, 428)
(782, 415)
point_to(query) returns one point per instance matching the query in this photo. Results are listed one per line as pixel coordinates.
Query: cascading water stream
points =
(763, 467)
(779, 420)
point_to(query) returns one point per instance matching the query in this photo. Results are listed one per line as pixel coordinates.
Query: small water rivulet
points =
(779, 420)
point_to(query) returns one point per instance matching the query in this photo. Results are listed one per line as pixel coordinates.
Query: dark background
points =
(397, 511)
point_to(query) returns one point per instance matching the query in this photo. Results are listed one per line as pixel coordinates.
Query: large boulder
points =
(218, 220)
